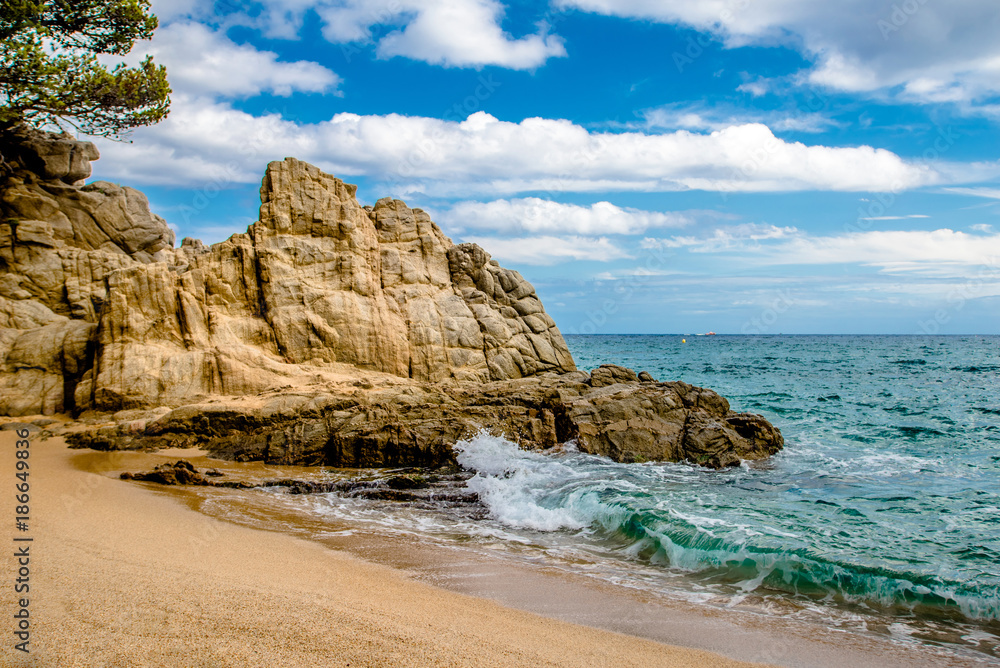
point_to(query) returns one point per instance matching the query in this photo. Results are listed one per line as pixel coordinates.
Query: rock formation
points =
(101, 312)
(328, 333)
(400, 422)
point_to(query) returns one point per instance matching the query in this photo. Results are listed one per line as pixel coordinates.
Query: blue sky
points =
(764, 166)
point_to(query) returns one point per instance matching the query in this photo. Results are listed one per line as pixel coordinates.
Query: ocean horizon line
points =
(927, 336)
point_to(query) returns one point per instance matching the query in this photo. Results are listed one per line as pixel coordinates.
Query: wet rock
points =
(628, 421)
(178, 473)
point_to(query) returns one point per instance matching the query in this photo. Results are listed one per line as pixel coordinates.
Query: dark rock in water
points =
(415, 488)
(416, 424)
(179, 473)
(406, 482)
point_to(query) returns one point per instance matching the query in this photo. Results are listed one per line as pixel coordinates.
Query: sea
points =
(880, 516)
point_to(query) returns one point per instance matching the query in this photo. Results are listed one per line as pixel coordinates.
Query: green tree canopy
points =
(50, 73)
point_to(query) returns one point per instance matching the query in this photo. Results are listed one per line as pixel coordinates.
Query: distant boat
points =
(706, 334)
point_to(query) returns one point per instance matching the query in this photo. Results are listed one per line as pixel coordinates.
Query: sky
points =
(739, 166)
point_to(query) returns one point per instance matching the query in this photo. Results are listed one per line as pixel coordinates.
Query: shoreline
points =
(155, 537)
(125, 576)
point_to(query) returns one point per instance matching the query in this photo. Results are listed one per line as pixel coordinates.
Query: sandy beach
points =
(124, 577)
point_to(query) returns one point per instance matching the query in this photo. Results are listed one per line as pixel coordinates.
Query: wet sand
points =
(127, 574)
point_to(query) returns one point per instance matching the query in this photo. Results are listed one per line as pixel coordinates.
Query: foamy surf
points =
(644, 512)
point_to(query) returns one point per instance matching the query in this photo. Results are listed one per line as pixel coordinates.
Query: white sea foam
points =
(512, 483)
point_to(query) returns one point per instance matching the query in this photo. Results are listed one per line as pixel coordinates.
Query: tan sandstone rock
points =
(316, 283)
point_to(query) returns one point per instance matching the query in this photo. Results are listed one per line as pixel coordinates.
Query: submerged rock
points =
(178, 473)
(448, 488)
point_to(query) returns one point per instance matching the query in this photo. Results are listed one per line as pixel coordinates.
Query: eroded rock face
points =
(99, 311)
(59, 244)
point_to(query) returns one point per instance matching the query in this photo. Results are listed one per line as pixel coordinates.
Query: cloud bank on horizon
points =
(688, 163)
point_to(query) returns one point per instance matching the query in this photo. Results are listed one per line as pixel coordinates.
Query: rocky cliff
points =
(328, 333)
(100, 311)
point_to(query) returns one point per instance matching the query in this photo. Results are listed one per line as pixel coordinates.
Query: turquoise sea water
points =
(885, 499)
(882, 514)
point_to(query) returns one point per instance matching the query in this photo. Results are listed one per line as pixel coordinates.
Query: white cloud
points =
(988, 193)
(533, 215)
(638, 274)
(547, 250)
(201, 61)
(913, 249)
(724, 238)
(931, 51)
(940, 253)
(757, 88)
(484, 155)
(458, 33)
(700, 117)
(907, 217)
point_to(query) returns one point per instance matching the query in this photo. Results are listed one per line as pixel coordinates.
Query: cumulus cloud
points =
(459, 33)
(534, 215)
(547, 250)
(927, 51)
(202, 61)
(485, 155)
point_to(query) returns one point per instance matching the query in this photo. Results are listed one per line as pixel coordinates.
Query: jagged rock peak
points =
(98, 310)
